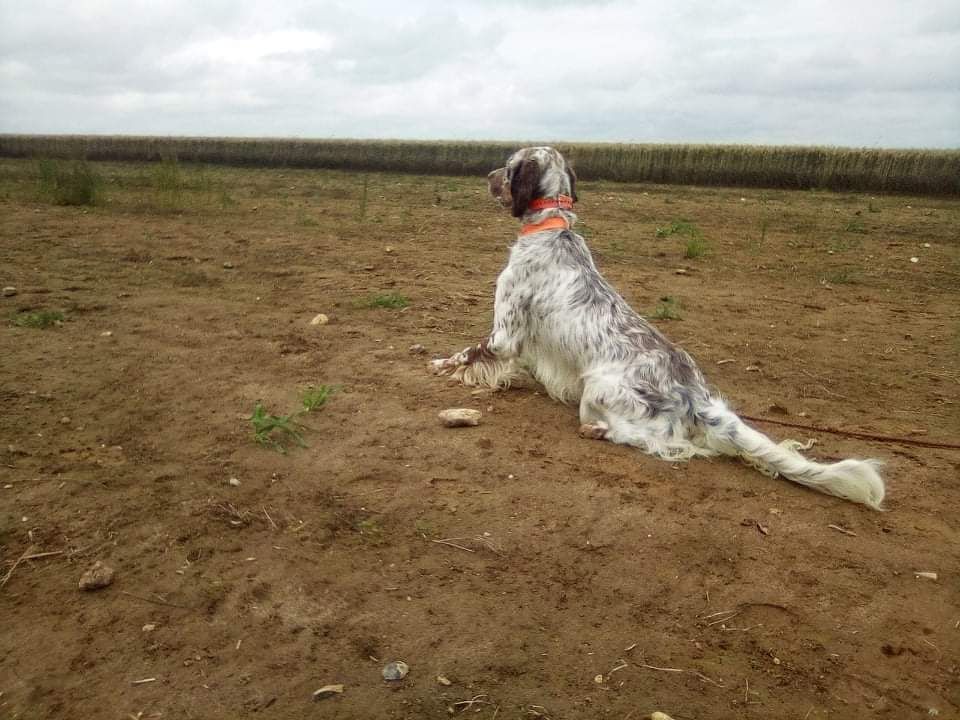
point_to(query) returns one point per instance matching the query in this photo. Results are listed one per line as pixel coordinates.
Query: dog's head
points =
(531, 173)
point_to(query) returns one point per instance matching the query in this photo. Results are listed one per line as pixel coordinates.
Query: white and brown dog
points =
(557, 319)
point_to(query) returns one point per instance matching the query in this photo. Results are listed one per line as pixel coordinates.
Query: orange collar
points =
(564, 202)
(554, 223)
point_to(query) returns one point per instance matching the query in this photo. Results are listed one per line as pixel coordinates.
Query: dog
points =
(558, 320)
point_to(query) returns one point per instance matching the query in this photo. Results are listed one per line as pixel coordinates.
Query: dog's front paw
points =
(443, 366)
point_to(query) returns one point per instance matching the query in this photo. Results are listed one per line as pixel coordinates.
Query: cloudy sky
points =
(837, 72)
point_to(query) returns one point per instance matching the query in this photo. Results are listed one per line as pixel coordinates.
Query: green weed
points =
(843, 276)
(168, 184)
(275, 430)
(78, 184)
(667, 309)
(394, 301)
(39, 319)
(313, 398)
(696, 247)
(855, 226)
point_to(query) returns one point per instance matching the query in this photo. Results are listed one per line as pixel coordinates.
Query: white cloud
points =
(852, 73)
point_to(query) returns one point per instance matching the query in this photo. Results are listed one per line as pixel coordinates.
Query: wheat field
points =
(935, 172)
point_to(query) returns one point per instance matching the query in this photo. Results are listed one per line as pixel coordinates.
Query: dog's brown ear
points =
(523, 186)
(573, 183)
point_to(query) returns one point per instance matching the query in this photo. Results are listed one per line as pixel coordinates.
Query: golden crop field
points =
(829, 168)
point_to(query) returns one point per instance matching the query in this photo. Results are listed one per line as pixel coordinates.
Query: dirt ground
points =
(576, 579)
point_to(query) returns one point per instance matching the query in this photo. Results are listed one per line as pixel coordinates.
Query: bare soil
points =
(576, 579)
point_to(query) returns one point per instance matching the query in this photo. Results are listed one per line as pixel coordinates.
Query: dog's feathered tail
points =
(854, 480)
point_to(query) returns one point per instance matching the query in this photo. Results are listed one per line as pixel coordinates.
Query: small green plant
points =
(678, 227)
(696, 247)
(274, 430)
(855, 226)
(843, 276)
(370, 528)
(168, 183)
(394, 301)
(314, 398)
(668, 309)
(872, 208)
(363, 198)
(226, 200)
(39, 319)
(78, 184)
(842, 244)
(305, 220)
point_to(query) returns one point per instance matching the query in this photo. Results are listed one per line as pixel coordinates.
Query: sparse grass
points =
(667, 309)
(362, 213)
(77, 184)
(168, 183)
(304, 220)
(394, 301)
(275, 431)
(39, 319)
(677, 227)
(697, 246)
(842, 276)
(842, 244)
(370, 528)
(314, 398)
(855, 226)
(226, 200)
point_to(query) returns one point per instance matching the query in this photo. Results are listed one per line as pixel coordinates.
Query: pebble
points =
(233, 482)
(914, 259)
(327, 691)
(64, 420)
(9, 291)
(417, 349)
(680, 271)
(659, 716)
(149, 627)
(927, 575)
(320, 319)
(459, 417)
(228, 265)
(444, 680)
(107, 333)
(396, 670)
(98, 576)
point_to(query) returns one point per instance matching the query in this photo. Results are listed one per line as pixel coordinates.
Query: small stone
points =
(680, 271)
(598, 679)
(927, 575)
(388, 249)
(752, 368)
(320, 319)
(9, 291)
(64, 420)
(776, 661)
(98, 576)
(926, 245)
(444, 680)
(228, 265)
(149, 627)
(417, 349)
(914, 259)
(659, 716)
(459, 417)
(107, 333)
(233, 482)
(396, 670)
(327, 691)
